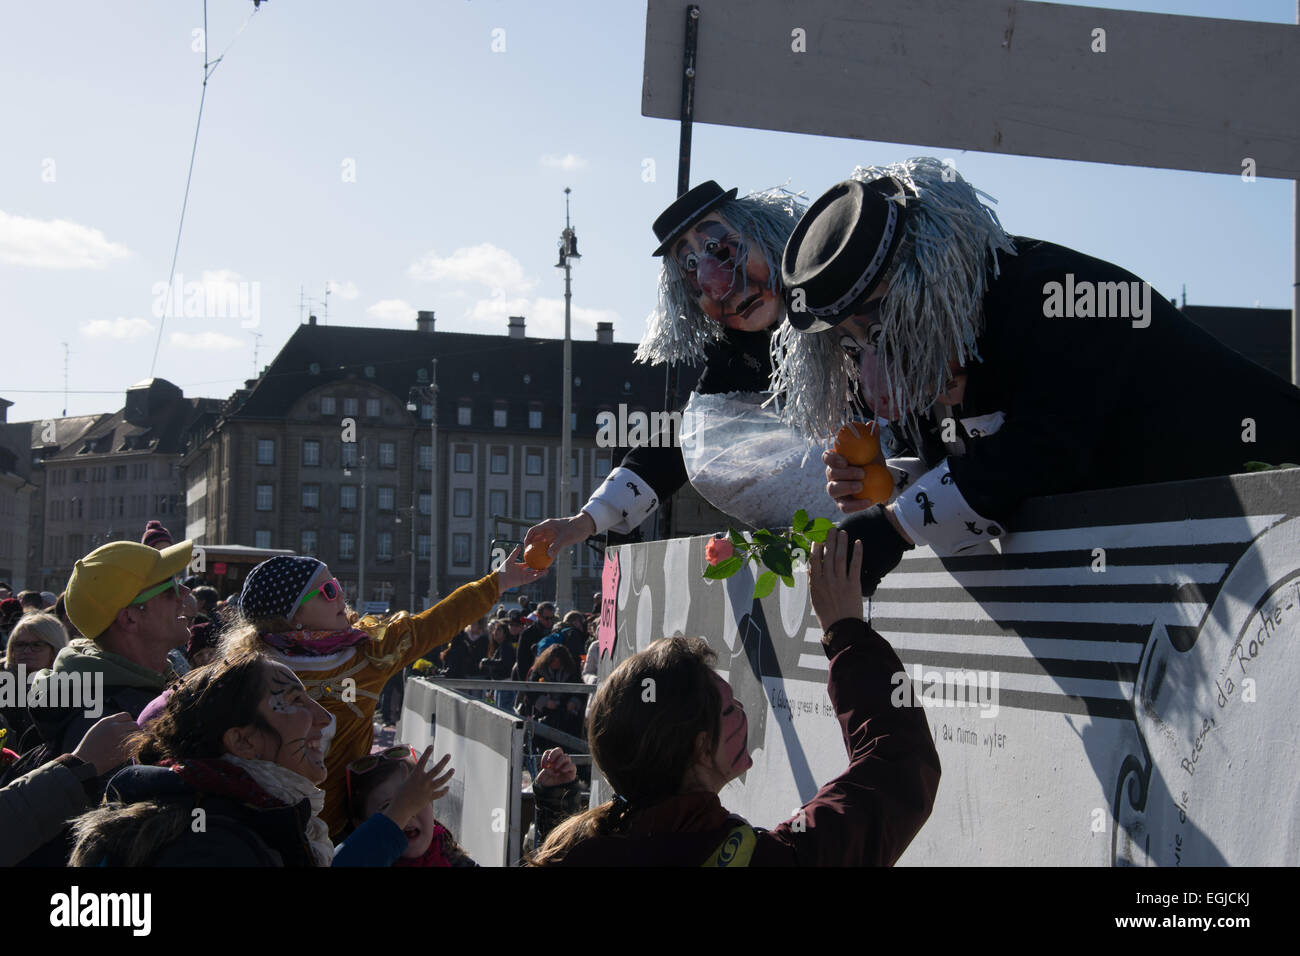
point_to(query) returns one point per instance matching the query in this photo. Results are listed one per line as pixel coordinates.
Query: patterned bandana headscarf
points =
(932, 311)
(274, 588)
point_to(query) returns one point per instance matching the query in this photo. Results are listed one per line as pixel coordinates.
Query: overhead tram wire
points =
(209, 67)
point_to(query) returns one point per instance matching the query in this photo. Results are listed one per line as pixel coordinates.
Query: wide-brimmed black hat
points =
(685, 210)
(840, 250)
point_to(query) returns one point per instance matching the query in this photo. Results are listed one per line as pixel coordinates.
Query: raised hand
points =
(834, 579)
(561, 532)
(514, 572)
(422, 786)
(556, 768)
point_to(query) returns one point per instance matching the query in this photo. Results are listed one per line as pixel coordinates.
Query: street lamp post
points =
(429, 393)
(568, 254)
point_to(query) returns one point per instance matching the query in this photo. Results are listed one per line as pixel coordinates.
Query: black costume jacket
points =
(1064, 404)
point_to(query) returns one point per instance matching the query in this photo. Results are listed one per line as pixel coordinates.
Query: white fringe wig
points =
(678, 331)
(932, 311)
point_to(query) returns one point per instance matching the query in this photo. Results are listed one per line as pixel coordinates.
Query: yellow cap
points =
(109, 578)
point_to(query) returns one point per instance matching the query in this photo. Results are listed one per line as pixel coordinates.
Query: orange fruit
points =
(535, 556)
(857, 443)
(878, 485)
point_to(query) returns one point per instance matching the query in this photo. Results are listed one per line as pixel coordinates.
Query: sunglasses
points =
(26, 646)
(363, 765)
(331, 590)
(156, 590)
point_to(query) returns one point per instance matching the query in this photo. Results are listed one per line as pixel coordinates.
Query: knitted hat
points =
(156, 536)
(275, 587)
(202, 635)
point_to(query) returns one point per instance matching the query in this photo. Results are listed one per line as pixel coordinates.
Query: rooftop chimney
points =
(516, 326)
(424, 321)
(605, 333)
(311, 320)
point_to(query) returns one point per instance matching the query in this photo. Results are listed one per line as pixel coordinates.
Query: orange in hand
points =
(535, 556)
(877, 485)
(857, 443)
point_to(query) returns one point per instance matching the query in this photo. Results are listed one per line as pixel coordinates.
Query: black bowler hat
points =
(685, 210)
(840, 250)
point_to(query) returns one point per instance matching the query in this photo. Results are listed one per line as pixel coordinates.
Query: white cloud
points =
(344, 290)
(116, 328)
(393, 314)
(55, 244)
(484, 264)
(207, 341)
(569, 162)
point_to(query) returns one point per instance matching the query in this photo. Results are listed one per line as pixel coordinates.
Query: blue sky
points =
(461, 155)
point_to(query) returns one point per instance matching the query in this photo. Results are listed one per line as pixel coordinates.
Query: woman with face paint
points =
(293, 610)
(719, 303)
(668, 735)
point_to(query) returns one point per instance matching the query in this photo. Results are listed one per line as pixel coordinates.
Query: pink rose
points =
(718, 550)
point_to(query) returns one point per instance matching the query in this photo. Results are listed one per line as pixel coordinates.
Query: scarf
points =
(290, 788)
(313, 643)
(434, 855)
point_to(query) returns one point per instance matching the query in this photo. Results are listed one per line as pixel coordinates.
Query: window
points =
(387, 455)
(499, 503)
(75, 546)
(500, 461)
(76, 475)
(386, 494)
(422, 547)
(347, 546)
(372, 408)
(573, 421)
(350, 407)
(460, 549)
(163, 504)
(463, 414)
(309, 542)
(350, 456)
(464, 459)
(426, 458)
(499, 417)
(533, 462)
(462, 502)
(532, 504)
(101, 474)
(310, 453)
(385, 546)
(573, 466)
(426, 503)
(266, 451)
(261, 538)
(426, 412)
(119, 472)
(602, 466)
(327, 405)
(139, 472)
(265, 496)
(347, 497)
(535, 418)
(311, 497)
(96, 508)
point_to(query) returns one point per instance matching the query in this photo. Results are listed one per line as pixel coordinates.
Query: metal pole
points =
(361, 563)
(435, 546)
(689, 46)
(564, 561)
(411, 592)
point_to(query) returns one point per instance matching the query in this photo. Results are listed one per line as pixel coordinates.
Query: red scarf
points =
(314, 643)
(223, 779)
(434, 856)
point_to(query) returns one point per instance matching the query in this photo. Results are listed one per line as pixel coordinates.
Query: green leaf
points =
(787, 580)
(778, 559)
(724, 569)
(763, 536)
(764, 585)
(737, 538)
(822, 524)
(800, 520)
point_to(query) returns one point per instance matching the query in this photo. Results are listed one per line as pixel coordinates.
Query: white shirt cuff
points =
(934, 512)
(621, 503)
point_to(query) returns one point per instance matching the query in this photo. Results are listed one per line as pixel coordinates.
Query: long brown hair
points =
(643, 729)
(203, 705)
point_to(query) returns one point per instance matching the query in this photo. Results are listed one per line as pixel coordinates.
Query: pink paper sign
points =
(608, 601)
